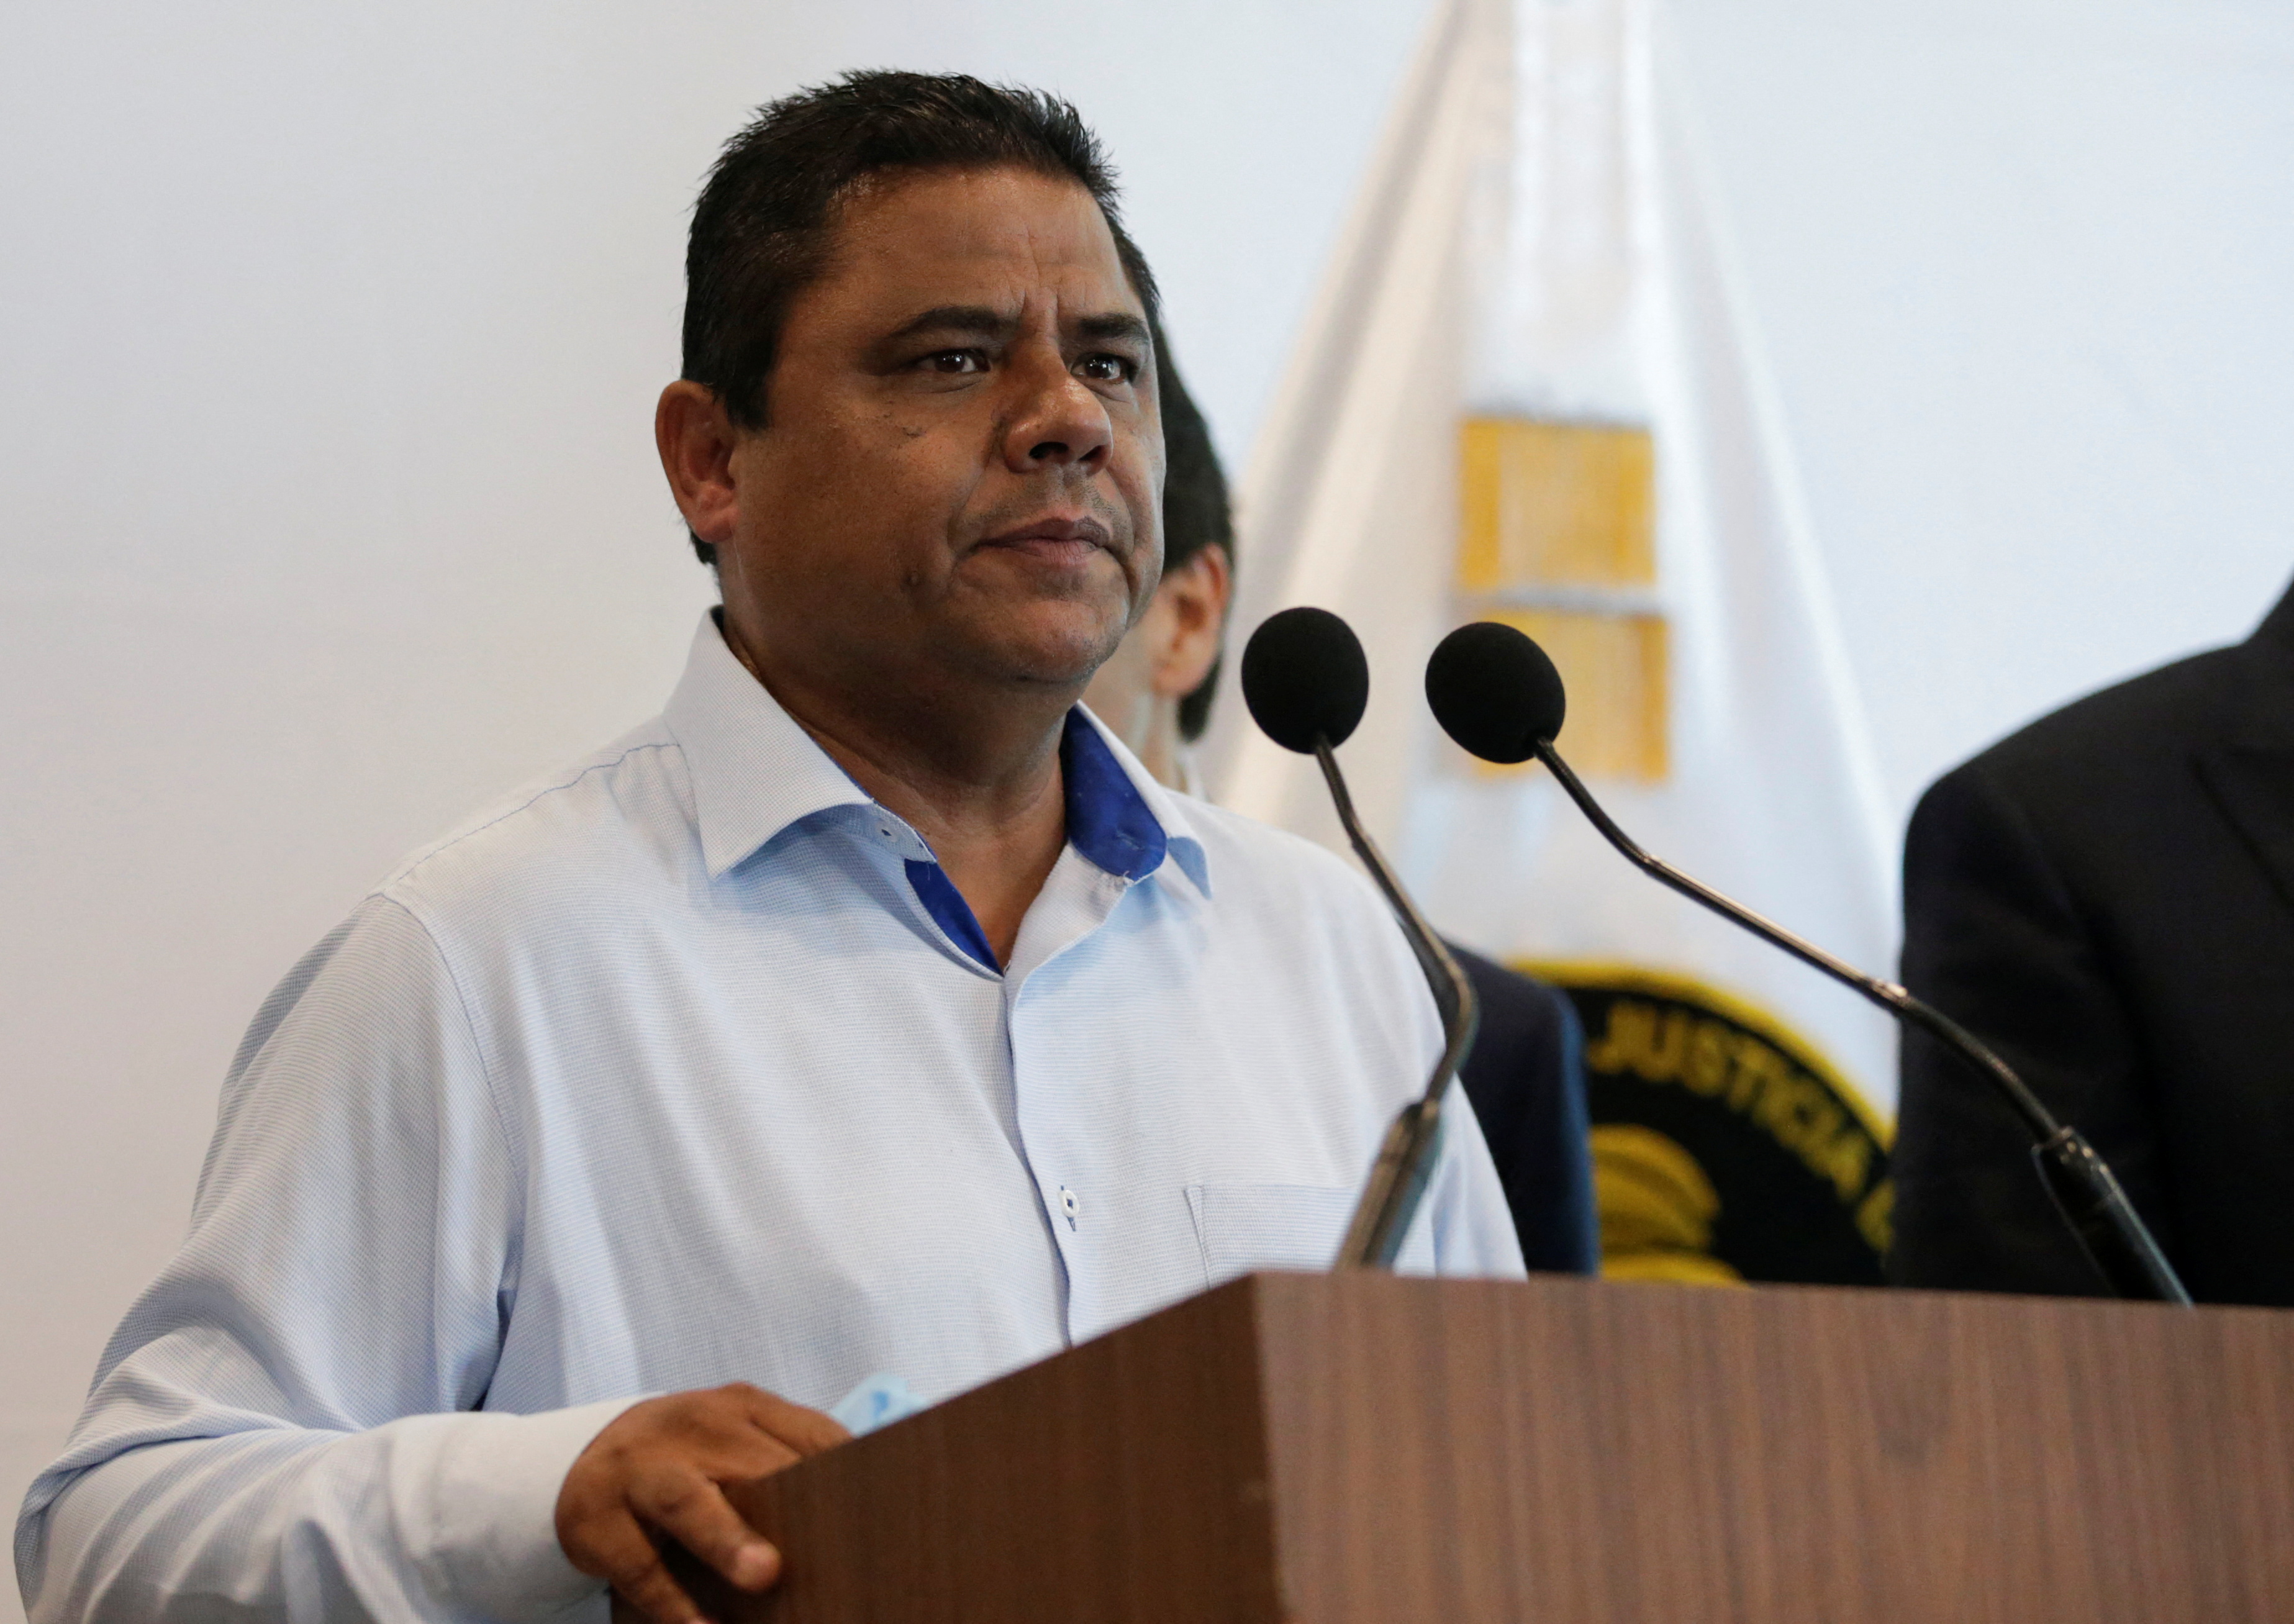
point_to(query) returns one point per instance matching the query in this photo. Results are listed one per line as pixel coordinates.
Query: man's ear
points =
(1196, 594)
(695, 437)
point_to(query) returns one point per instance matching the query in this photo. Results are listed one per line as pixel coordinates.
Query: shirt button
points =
(1068, 1204)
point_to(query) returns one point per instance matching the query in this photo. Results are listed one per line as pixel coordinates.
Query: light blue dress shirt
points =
(678, 1070)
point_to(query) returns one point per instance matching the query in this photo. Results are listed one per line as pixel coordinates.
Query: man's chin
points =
(1040, 652)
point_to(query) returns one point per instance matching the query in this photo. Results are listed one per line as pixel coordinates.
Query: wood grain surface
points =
(1124, 1481)
(1331, 1449)
(1575, 1450)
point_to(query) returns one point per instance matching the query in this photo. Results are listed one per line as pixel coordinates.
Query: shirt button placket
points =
(1046, 1137)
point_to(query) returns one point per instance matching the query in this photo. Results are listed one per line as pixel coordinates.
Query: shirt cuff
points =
(493, 1505)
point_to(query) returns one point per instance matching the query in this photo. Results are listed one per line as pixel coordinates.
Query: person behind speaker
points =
(1526, 1073)
(870, 1011)
(2107, 898)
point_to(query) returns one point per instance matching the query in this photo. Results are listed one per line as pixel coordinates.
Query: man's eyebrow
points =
(974, 319)
(1114, 324)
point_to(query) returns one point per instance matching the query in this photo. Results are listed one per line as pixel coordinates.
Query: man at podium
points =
(869, 1011)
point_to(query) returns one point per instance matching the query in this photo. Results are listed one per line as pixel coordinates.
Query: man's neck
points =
(1158, 746)
(977, 774)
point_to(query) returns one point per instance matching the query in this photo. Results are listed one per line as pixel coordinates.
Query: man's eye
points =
(1107, 368)
(955, 363)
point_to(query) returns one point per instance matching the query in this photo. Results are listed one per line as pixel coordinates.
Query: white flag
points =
(1530, 391)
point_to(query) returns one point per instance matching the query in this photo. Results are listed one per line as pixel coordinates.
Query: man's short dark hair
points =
(1196, 512)
(763, 225)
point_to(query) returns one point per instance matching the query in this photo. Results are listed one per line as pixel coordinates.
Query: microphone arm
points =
(2080, 1182)
(1405, 1160)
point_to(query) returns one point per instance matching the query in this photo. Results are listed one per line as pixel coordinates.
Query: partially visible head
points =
(765, 224)
(1156, 693)
(917, 432)
(1197, 517)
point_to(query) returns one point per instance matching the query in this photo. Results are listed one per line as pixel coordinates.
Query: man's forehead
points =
(982, 239)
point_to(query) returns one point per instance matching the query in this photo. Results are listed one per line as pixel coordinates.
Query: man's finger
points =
(616, 1550)
(808, 1432)
(691, 1509)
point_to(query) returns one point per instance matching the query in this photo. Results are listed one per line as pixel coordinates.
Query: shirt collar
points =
(1118, 814)
(755, 773)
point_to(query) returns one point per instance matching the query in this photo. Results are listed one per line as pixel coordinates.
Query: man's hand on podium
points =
(658, 1470)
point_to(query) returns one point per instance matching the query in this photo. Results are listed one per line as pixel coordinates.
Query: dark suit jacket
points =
(2107, 898)
(1526, 1079)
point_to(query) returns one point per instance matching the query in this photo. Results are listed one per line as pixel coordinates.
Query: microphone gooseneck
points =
(1307, 683)
(1496, 693)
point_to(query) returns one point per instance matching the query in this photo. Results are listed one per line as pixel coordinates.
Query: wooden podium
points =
(1356, 1447)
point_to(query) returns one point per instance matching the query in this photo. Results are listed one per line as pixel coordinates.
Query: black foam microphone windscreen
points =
(1304, 677)
(1495, 692)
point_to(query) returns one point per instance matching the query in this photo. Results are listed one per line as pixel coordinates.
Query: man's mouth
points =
(1069, 541)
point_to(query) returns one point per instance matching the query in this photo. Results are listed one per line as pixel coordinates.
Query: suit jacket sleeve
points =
(1525, 1078)
(1994, 937)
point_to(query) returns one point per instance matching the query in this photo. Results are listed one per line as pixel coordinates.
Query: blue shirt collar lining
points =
(1109, 822)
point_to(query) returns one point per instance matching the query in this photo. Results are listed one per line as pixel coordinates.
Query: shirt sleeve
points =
(1472, 1226)
(1464, 1225)
(290, 1425)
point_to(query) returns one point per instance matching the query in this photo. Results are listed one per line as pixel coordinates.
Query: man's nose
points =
(1058, 420)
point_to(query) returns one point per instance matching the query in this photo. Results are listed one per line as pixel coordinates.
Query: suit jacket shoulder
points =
(2114, 736)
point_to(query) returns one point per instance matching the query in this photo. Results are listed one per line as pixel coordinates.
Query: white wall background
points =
(2026, 270)
(329, 339)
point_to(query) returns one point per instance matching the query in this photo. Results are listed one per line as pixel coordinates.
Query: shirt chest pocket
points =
(1245, 1227)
